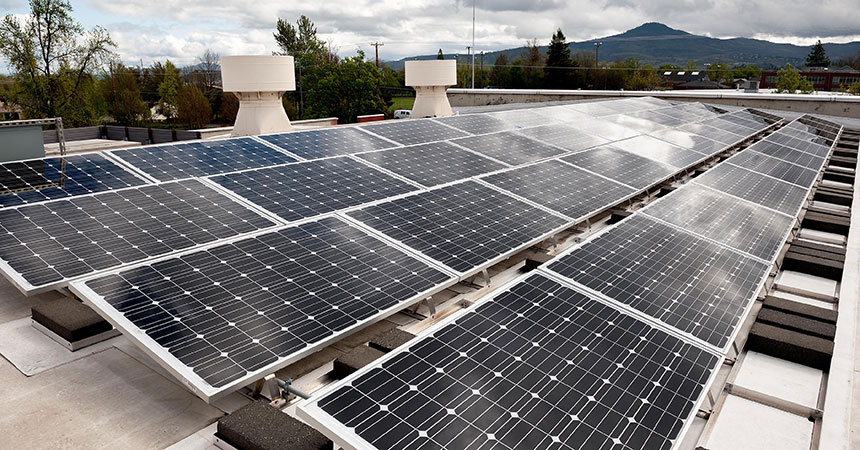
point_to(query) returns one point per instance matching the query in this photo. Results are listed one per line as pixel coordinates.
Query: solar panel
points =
(414, 131)
(622, 166)
(784, 153)
(776, 168)
(45, 245)
(804, 142)
(539, 366)
(197, 159)
(562, 188)
(691, 141)
(39, 180)
(657, 117)
(561, 114)
(301, 190)
(564, 136)
(685, 281)
(476, 123)
(635, 123)
(466, 226)
(606, 130)
(661, 151)
(522, 118)
(317, 144)
(433, 164)
(760, 232)
(509, 147)
(222, 317)
(716, 134)
(596, 109)
(757, 188)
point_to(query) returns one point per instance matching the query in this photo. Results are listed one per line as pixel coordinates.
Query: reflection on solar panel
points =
(465, 226)
(328, 142)
(691, 141)
(561, 114)
(634, 123)
(658, 117)
(476, 123)
(562, 188)
(606, 130)
(757, 188)
(564, 136)
(307, 189)
(522, 118)
(715, 134)
(433, 164)
(238, 311)
(776, 168)
(596, 109)
(52, 242)
(745, 226)
(661, 151)
(622, 166)
(509, 147)
(39, 180)
(197, 159)
(416, 131)
(540, 366)
(802, 141)
(685, 281)
(784, 153)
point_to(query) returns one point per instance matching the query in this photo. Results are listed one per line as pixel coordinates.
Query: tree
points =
(789, 81)
(500, 74)
(168, 90)
(344, 89)
(558, 62)
(54, 58)
(229, 108)
(669, 67)
(745, 72)
(440, 55)
(192, 108)
(854, 89)
(817, 57)
(532, 62)
(718, 72)
(300, 41)
(126, 106)
(209, 64)
(690, 66)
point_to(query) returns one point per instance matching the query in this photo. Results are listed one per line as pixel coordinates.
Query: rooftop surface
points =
(462, 206)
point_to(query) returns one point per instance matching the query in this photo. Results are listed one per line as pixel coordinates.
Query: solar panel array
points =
(369, 174)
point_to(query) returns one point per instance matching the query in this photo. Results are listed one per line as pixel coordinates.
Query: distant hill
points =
(655, 43)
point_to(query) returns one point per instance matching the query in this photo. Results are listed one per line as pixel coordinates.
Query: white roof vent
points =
(430, 79)
(259, 82)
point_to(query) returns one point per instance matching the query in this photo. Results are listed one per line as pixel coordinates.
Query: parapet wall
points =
(831, 105)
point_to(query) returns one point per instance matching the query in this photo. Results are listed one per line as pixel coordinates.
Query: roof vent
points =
(430, 80)
(259, 82)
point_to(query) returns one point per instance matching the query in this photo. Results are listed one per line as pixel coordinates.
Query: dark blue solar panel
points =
(197, 159)
(328, 142)
(39, 180)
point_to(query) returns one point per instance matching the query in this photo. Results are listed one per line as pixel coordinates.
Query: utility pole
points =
(473, 42)
(377, 45)
(597, 54)
(482, 69)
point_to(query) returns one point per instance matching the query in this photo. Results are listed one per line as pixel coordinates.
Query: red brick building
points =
(822, 78)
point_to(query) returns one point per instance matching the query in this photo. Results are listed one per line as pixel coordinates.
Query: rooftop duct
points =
(430, 80)
(259, 82)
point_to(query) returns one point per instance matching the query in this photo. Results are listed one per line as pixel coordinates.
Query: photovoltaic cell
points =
(561, 114)
(784, 153)
(539, 366)
(691, 141)
(562, 188)
(465, 226)
(816, 146)
(660, 151)
(414, 131)
(564, 136)
(52, 242)
(476, 123)
(509, 147)
(39, 180)
(744, 226)
(301, 190)
(622, 166)
(197, 159)
(776, 168)
(635, 123)
(522, 118)
(432, 164)
(755, 187)
(685, 281)
(716, 134)
(245, 308)
(606, 130)
(317, 144)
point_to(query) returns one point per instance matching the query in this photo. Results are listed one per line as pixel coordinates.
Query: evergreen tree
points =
(168, 90)
(500, 74)
(558, 61)
(440, 55)
(789, 81)
(817, 57)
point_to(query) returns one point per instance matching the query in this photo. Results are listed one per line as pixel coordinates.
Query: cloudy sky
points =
(147, 30)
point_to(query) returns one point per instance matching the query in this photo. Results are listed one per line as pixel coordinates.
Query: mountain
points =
(656, 43)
